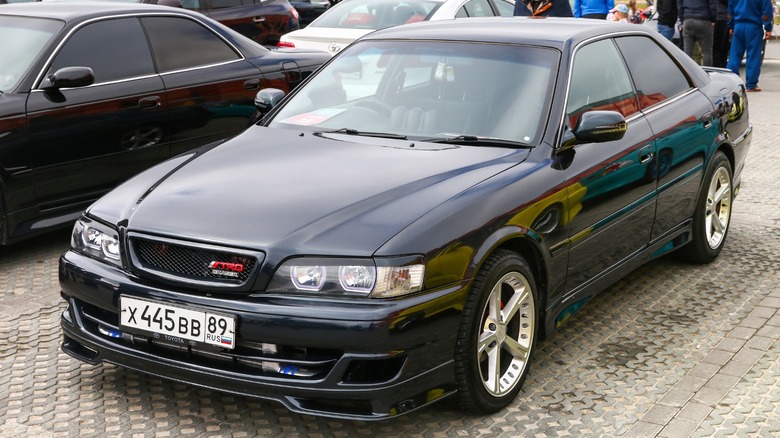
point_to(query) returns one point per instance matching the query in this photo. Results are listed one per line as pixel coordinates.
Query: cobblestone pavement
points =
(672, 350)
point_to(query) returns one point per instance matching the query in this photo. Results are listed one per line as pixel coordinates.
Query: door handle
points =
(150, 102)
(646, 154)
(706, 120)
(252, 84)
(258, 19)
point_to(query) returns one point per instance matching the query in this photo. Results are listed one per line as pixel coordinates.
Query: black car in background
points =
(93, 93)
(261, 20)
(408, 223)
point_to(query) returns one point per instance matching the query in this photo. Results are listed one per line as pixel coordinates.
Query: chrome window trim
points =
(39, 79)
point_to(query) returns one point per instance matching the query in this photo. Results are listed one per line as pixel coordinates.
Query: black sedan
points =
(91, 94)
(407, 224)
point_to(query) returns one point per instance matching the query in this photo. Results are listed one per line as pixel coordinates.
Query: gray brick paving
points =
(672, 350)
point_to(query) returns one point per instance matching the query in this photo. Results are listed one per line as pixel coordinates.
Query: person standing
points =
(698, 20)
(750, 23)
(620, 13)
(547, 8)
(593, 8)
(721, 44)
(667, 17)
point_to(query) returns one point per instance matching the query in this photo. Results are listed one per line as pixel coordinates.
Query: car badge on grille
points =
(226, 269)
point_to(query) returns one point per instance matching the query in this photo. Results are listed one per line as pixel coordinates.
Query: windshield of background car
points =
(24, 38)
(429, 90)
(375, 14)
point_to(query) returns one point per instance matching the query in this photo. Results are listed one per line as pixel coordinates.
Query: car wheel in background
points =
(497, 334)
(713, 213)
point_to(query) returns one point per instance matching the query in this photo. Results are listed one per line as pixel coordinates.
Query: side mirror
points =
(597, 127)
(267, 98)
(71, 77)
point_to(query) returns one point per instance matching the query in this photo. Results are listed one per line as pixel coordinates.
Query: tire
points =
(712, 216)
(492, 354)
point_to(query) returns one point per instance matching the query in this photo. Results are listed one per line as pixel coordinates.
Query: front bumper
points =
(360, 359)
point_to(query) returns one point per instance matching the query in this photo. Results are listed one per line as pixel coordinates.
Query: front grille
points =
(178, 261)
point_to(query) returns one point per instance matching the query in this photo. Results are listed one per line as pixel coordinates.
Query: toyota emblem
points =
(333, 47)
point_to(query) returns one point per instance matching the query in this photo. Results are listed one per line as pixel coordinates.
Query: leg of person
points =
(703, 34)
(688, 39)
(737, 49)
(754, 43)
(720, 44)
(697, 55)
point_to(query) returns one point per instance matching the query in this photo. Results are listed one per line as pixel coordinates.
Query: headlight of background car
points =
(96, 240)
(375, 278)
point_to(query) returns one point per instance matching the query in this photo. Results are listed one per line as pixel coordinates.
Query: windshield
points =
(375, 14)
(29, 37)
(429, 90)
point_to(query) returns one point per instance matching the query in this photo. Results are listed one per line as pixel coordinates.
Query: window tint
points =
(656, 76)
(113, 49)
(599, 81)
(180, 43)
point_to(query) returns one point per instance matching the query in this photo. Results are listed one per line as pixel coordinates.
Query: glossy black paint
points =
(63, 147)
(620, 203)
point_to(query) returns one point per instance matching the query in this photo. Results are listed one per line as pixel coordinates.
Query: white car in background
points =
(349, 20)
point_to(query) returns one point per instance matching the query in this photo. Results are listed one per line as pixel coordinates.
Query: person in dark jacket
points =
(721, 44)
(750, 23)
(548, 8)
(593, 8)
(667, 17)
(698, 20)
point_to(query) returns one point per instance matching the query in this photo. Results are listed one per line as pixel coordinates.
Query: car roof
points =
(542, 31)
(80, 10)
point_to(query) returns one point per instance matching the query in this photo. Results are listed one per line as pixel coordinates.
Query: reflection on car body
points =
(434, 201)
(86, 101)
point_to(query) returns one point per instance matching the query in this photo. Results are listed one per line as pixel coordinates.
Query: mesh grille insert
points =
(194, 262)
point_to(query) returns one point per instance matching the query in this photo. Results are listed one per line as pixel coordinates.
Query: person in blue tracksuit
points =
(547, 8)
(593, 8)
(750, 23)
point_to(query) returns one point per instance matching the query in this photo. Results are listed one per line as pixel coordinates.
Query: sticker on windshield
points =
(315, 117)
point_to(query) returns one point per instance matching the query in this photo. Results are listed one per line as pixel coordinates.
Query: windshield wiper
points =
(474, 140)
(350, 131)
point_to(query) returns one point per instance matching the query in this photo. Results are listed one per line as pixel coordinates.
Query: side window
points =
(505, 9)
(599, 81)
(656, 76)
(478, 8)
(191, 4)
(113, 49)
(180, 43)
(221, 4)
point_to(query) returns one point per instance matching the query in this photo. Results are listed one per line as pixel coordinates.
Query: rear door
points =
(210, 87)
(683, 121)
(86, 140)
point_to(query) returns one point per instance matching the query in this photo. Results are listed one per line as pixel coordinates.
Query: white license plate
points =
(175, 324)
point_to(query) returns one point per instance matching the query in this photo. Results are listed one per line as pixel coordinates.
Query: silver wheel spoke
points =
(516, 350)
(511, 308)
(494, 370)
(485, 340)
(721, 193)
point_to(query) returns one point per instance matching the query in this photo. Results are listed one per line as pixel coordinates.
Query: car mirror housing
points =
(267, 98)
(600, 127)
(72, 77)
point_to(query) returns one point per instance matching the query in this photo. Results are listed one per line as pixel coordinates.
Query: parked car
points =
(407, 224)
(91, 94)
(308, 10)
(351, 19)
(261, 20)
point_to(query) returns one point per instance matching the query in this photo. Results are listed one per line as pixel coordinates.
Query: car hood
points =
(324, 38)
(301, 193)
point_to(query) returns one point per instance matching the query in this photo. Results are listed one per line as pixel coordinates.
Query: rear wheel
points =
(497, 334)
(713, 213)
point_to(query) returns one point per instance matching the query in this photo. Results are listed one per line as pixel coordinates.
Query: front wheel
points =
(497, 334)
(713, 213)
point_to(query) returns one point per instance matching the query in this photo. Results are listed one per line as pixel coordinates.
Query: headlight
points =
(376, 278)
(96, 240)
